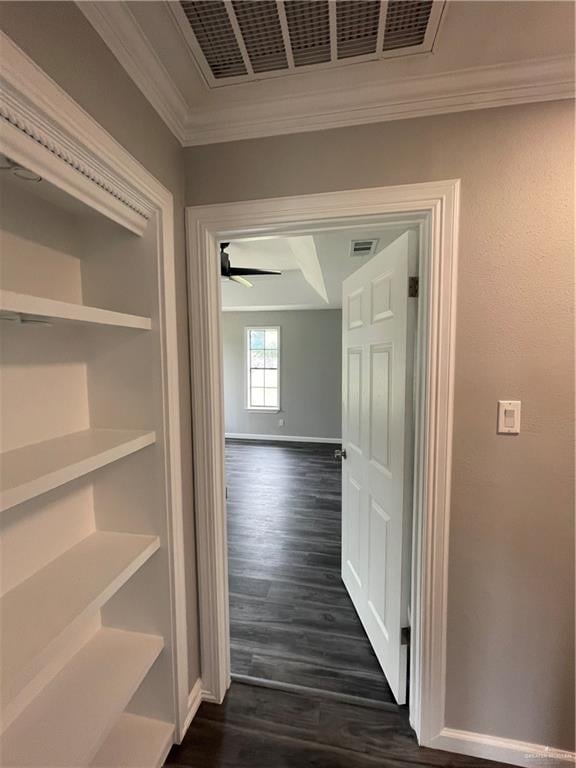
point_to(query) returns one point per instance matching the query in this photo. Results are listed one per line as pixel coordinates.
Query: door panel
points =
(380, 393)
(354, 416)
(378, 564)
(352, 545)
(378, 344)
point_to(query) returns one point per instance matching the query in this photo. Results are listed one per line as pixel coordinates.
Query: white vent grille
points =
(406, 23)
(309, 29)
(215, 35)
(363, 248)
(259, 24)
(357, 27)
(240, 40)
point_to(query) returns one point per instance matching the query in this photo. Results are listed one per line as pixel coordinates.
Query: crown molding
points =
(498, 85)
(116, 25)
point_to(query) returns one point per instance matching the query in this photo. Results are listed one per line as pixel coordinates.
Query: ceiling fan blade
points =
(241, 281)
(253, 271)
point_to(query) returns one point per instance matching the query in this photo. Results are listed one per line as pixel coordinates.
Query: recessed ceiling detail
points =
(242, 40)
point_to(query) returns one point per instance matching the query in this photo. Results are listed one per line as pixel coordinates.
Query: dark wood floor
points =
(263, 728)
(291, 620)
(292, 623)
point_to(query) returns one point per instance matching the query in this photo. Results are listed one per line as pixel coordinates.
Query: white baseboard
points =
(194, 701)
(284, 438)
(501, 750)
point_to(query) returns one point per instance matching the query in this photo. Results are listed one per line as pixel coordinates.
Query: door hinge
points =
(413, 287)
(405, 636)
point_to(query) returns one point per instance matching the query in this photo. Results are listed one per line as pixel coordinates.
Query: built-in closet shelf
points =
(70, 720)
(34, 469)
(135, 742)
(21, 306)
(37, 611)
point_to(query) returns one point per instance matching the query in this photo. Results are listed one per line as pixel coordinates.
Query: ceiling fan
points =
(238, 273)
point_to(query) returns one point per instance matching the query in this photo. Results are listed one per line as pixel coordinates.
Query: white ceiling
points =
(484, 54)
(301, 286)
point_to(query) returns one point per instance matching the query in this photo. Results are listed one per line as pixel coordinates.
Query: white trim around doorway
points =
(436, 206)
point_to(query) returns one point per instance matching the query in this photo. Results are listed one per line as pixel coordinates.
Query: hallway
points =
(293, 624)
(291, 620)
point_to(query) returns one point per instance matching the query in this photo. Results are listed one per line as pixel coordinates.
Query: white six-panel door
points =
(378, 333)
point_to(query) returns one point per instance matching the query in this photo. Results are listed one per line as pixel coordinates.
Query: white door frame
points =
(436, 206)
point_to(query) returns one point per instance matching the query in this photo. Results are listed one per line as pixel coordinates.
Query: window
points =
(263, 368)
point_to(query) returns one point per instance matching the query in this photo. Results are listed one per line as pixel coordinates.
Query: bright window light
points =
(263, 368)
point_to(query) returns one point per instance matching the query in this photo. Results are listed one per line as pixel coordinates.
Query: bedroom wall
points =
(510, 666)
(62, 42)
(310, 374)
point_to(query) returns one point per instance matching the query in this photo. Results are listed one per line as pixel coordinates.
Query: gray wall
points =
(510, 669)
(310, 373)
(511, 595)
(60, 40)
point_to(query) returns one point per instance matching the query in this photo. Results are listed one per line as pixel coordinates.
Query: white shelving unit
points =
(21, 307)
(80, 581)
(68, 722)
(152, 738)
(87, 637)
(34, 469)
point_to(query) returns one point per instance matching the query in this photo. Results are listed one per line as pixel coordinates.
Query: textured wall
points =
(310, 373)
(511, 594)
(60, 40)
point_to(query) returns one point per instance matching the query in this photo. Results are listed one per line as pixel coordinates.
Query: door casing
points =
(434, 206)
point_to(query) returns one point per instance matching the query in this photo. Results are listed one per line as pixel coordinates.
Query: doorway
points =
(307, 613)
(433, 207)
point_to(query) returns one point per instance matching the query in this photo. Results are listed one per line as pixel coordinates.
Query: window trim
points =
(260, 408)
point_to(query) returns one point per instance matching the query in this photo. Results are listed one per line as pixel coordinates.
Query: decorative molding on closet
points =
(33, 106)
(496, 85)
(45, 130)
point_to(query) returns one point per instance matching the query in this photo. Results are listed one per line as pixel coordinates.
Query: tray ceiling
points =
(265, 70)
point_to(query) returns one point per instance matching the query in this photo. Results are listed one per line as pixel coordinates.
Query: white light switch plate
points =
(509, 417)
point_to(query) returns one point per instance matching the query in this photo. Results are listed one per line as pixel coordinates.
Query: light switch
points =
(509, 417)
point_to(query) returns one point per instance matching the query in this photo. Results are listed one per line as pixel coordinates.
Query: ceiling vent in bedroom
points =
(242, 40)
(363, 248)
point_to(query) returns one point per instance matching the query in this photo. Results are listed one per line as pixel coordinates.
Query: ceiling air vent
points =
(216, 37)
(363, 247)
(259, 24)
(242, 40)
(406, 23)
(309, 30)
(357, 27)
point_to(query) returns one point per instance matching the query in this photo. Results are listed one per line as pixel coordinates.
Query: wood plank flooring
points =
(262, 728)
(292, 624)
(291, 620)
